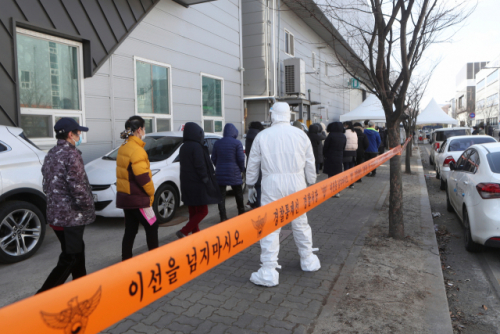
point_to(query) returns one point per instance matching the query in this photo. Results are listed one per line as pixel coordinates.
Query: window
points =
(212, 91)
(492, 100)
(158, 148)
(443, 135)
(460, 102)
(3, 148)
(493, 77)
(50, 83)
(472, 163)
(480, 84)
(480, 104)
(289, 43)
(464, 143)
(494, 162)
(153, 87)
(462, 161)
(313, 57)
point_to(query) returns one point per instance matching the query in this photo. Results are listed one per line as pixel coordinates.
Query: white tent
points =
(434, 114)
(370, 109)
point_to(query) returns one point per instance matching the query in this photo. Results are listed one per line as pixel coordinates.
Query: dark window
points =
(442, 135)
(494, 162)
(462, 160)
(472, 162)
(443, 146)
(3, 148)
(157, 148)
(464, 143)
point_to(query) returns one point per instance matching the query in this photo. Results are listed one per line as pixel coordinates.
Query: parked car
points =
(163, 151)
(473, 192)
(440, 135)
(451, 150)
(22, 201)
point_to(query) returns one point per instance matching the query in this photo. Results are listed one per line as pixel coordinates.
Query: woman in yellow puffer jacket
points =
(134, 185)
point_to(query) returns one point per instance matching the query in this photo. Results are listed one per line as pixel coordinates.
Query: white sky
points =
(478, 40)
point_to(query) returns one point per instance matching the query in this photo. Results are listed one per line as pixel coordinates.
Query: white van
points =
(440, 135)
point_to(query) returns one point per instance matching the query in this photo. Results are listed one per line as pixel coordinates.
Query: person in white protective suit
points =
(285, 155)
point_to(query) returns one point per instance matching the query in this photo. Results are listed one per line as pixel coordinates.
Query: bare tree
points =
(381, 42)
(489, 111)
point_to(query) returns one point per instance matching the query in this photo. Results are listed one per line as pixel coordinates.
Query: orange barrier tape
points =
(97, 301)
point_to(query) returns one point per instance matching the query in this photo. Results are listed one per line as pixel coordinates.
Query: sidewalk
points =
(223, 300)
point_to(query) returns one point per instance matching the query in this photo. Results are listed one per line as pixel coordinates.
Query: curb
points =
(437, 312)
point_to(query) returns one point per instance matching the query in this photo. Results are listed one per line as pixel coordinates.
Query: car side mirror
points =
(177, 159)
(452, 165)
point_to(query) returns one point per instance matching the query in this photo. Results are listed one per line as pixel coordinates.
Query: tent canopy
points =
(434, 114)
(371, 109)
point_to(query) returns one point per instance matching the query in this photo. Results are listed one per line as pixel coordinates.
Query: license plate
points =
(95, 197)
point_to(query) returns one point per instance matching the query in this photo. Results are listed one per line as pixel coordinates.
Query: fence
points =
(97, 301)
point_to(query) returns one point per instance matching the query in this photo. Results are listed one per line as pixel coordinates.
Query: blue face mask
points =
(78, 142)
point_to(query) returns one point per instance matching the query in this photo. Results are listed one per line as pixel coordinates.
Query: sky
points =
(478, 40)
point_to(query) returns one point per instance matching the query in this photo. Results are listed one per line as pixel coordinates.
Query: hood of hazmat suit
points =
(285, 156)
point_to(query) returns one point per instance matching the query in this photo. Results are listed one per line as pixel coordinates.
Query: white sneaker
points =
(337, 195)
(265, 276)
(351, 186)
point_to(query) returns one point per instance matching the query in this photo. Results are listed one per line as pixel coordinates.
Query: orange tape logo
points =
(74, 319)
(259, 223)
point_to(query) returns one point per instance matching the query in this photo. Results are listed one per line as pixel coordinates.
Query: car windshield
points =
(442, 135)
(158, 148)
(463, 143)
(494, 162)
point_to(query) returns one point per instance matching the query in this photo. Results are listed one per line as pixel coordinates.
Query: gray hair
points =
(371, 124)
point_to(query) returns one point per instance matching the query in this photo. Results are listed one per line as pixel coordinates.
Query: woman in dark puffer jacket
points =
(198, 184)
(363, 144)
(229, 161)
(317, 136)
(333, 151)
(253, 131)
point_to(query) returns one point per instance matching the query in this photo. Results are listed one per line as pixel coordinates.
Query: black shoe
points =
(179, 234)
(359, 181)
(241, 211)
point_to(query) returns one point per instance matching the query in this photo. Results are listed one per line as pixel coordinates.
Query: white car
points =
(440, 135)
(451, 150)
(22, 201)
(473, 191)
(163, 152)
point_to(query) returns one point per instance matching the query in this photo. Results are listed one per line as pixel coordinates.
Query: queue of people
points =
(70, 204)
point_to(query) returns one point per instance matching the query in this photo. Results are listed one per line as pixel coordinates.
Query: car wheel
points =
(470, 245)
(449, 207)
(22, 229)
(442, 184)
(165, 203)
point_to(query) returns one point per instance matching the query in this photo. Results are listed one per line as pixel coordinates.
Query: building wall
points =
(466, 89)
(204, 38)
(486, 104)
(330, 89)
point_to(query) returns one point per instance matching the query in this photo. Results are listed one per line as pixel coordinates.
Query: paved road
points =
(103, 248)
(474, 278)
(223, 300)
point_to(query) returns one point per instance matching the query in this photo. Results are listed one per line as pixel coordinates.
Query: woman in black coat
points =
(333, 151)
(363, 144)
(198, 184)
(317, 136)
(253, 131)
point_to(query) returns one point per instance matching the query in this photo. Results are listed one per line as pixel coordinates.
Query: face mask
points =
(78, 142)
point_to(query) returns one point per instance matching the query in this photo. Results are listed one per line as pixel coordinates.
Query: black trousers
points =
(369, 156)
(132, 219)
(72, 258)
(238, 194)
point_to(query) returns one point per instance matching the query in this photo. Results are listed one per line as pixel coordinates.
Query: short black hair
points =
(256, 125)
(366, 122)
(65, 135)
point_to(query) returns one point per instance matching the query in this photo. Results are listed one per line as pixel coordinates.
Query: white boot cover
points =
(303, 239)
(267, 275)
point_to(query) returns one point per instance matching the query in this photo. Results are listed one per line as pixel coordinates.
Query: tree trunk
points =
(408, 155)
(396, 224)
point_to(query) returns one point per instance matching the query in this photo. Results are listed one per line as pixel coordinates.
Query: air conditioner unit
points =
(295, 77)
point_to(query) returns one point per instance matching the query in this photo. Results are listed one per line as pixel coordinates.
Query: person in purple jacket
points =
(229, 160)
(70, 204)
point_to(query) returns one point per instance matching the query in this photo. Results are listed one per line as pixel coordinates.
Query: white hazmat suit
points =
(285, 155)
